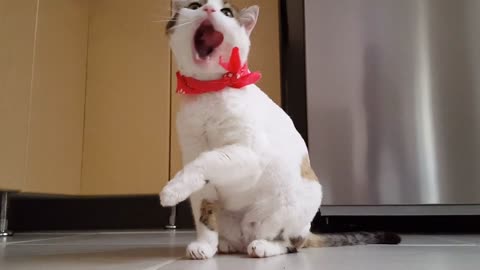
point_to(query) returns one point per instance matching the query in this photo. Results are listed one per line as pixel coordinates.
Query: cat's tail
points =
(352, 239)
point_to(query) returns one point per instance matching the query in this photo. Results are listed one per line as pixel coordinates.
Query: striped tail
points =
(352, 239)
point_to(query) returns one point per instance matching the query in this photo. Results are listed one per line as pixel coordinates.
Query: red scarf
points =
(237, 76)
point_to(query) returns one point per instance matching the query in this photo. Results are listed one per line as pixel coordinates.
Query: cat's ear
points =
(248, 18)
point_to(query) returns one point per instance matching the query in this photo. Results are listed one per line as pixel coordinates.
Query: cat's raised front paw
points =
(181, 187)
(169, 197)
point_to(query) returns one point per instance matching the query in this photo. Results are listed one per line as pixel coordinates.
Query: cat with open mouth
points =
(246, 168)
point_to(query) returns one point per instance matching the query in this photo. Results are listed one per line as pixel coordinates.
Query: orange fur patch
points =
(207, 215)
(306, 170)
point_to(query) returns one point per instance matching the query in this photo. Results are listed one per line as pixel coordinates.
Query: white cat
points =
(246, 168)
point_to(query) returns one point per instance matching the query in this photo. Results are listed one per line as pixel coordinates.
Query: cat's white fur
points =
(244, 145)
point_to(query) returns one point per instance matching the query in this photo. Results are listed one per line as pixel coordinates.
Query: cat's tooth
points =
(209, 58)
(197, 57)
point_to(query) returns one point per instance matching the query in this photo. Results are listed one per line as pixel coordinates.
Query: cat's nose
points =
(209, 9)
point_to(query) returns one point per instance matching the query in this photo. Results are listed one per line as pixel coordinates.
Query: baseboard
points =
(28, 213)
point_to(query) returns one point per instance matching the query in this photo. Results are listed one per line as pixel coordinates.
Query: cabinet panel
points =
(265, 50)
(58, 95)
(264, 57)
(17, 28)
(127, 128)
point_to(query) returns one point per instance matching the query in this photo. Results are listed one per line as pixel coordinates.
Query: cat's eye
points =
(194, 5)
(228, 12)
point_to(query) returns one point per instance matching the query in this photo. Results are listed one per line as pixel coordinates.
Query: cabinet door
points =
(17, 27)
(127, 125)
(265, 50)
(57, 98)
(264, 57)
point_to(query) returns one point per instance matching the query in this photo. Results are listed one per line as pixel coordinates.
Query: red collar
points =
(237, 76)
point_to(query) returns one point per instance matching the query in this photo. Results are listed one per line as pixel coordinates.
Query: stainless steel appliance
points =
(393, 95)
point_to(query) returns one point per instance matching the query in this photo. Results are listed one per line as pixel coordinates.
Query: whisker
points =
(186, 23)
(180, 25)
(162, 17)
(161, 21)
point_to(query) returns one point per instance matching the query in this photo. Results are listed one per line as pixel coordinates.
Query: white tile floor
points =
(165, 250)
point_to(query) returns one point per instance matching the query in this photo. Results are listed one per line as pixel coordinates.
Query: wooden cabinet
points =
(127, 124)
(87, 101)
(265, 50)
(42, 88)
(17, 29)
(54, 154)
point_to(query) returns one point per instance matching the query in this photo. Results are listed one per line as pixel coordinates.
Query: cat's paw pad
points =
(259, 249)
(200, 251)
(169, 197)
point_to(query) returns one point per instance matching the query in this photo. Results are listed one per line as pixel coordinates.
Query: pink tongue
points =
(212, 38)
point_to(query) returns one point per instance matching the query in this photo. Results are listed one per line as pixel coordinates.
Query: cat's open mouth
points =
(206, 40)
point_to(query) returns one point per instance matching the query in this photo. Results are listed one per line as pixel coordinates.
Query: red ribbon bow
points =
(237, 76)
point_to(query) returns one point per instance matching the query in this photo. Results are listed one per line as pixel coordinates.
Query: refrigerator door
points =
(393, 94)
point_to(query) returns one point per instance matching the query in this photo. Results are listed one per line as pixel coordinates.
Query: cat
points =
(246, 168)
